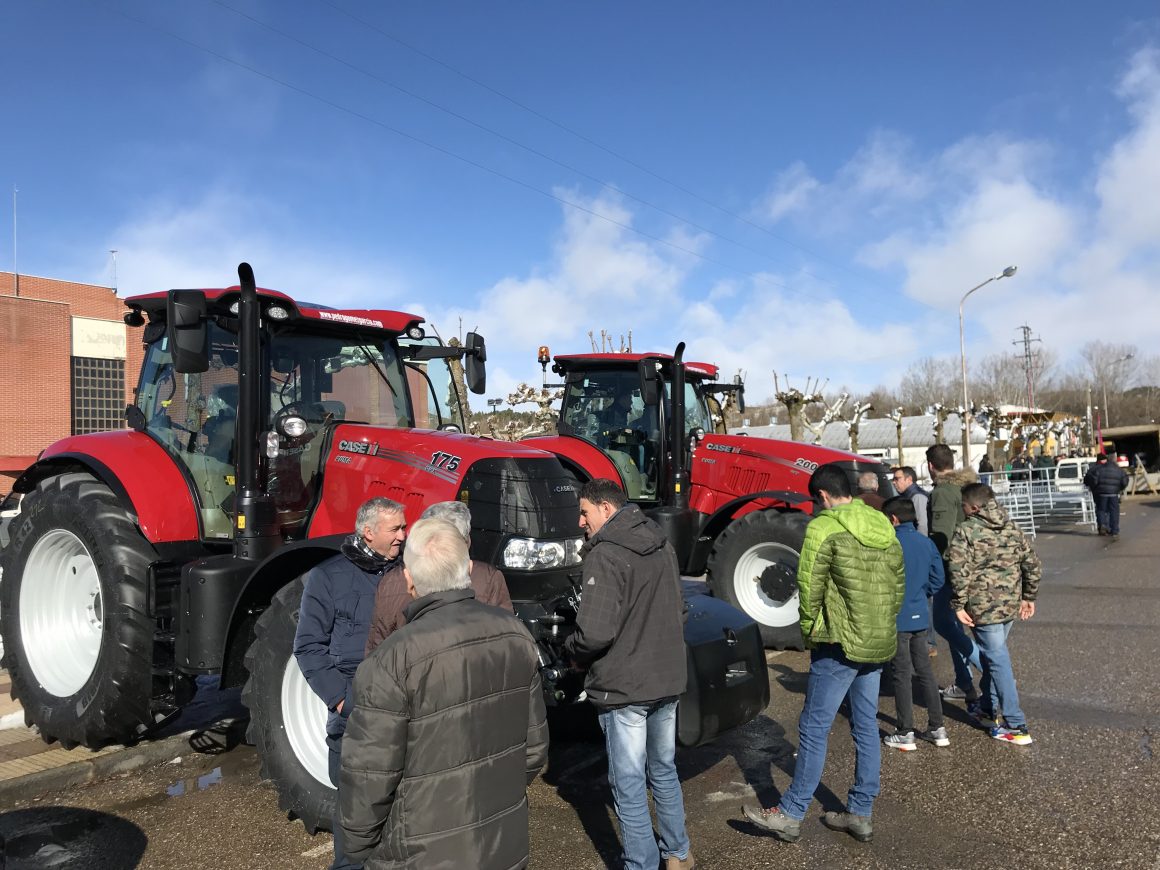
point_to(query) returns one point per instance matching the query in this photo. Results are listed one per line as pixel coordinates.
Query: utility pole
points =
(1028, 363)
(114, 253)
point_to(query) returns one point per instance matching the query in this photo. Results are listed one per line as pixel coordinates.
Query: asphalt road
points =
(1084, 795)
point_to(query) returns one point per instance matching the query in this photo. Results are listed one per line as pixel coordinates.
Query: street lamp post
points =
(966, 416)
(1114, 367)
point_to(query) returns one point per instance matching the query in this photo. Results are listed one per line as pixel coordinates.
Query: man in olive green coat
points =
(851, 582)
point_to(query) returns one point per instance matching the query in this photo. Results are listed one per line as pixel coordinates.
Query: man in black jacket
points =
(335, 617)
(630, 636)
(1106, 480)
(448, 728)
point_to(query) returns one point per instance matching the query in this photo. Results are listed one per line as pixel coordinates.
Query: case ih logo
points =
(359, 447)
(722, 448)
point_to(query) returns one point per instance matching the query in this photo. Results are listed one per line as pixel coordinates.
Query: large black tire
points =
(287, 720)
(753, 566)
(78, 640)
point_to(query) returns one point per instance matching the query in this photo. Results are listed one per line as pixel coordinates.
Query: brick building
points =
(69, 366)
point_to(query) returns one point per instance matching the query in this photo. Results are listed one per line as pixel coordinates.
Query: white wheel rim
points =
(304, 718)
(61, 613)
(752, 598)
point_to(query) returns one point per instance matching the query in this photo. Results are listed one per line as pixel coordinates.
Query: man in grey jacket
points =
(630, 637)
(448, 728)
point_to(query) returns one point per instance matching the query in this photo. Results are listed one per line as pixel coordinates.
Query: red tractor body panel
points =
(152, 481)
(576, 451)
(727, 466)
(414, 467)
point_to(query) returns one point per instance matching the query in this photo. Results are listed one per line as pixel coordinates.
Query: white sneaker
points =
(903, 740)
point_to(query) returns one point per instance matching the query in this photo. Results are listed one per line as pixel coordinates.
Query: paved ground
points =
(1084, 795)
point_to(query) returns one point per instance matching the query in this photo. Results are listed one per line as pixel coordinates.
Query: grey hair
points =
(369, 511)
(868, 481)
(436, 557)
(454, 512)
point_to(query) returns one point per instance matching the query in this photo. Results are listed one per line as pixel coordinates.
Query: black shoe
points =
(1102, 531)
(858, 827)
(1114, 538)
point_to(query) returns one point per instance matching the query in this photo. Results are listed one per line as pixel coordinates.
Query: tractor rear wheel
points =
(753, 566)
(78, 638)
(287, 720)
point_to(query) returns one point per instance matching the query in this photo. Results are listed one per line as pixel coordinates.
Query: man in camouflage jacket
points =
(994, 575)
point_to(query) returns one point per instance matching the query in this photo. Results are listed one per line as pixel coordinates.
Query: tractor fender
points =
(142, 476)
(716, 522)
(274, 572)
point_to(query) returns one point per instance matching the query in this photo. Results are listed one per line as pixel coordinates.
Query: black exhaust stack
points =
(256, 534)
(674, 517)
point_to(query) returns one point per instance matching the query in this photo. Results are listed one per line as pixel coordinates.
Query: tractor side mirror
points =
(476, 358)
(740, 384)
(185, 327)
(650, 392)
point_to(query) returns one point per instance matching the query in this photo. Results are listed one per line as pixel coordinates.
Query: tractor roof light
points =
(416, 333)
(277, 312)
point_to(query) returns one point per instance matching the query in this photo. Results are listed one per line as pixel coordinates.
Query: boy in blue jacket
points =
(924, 577)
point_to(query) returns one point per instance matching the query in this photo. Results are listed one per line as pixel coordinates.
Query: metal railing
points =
(1037, 498)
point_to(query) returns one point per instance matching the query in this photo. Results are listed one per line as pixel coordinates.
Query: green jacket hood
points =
(868, 525)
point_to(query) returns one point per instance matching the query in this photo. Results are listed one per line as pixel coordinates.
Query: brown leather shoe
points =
(686, 863)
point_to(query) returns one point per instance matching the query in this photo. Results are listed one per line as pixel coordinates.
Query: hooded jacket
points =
(448, 730)
(924, 576)
(630, 628)
(946, 505)
(851, 582)
(991, 567)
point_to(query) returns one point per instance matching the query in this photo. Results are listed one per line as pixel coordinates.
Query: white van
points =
(1069, 472)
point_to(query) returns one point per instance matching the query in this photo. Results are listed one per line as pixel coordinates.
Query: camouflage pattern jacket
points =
(991, 567)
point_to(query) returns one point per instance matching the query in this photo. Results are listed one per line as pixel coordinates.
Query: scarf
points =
(359, 552)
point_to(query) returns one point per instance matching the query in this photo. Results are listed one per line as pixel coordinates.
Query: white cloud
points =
(791, 192)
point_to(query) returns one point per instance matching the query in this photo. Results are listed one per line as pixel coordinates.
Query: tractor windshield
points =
(606, 408)
(322, 379)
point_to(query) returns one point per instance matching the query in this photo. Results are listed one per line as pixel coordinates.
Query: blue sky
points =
(801, 187)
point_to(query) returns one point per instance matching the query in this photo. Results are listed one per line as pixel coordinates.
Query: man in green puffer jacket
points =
(851, 582)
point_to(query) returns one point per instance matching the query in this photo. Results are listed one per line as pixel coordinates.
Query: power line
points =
(590, 141)
(499, 135)
(755, 276)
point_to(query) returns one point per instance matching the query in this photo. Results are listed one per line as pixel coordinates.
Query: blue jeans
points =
(998, 675)
(964, 652)
(642, 744)
(1108, 513)
(832, 677)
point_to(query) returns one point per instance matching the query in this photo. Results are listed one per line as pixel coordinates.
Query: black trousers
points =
(913, 658)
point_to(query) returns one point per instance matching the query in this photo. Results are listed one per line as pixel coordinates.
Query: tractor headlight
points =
(531, 554)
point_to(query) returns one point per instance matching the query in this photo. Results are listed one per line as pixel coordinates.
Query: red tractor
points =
(735, 507)
(141, 558)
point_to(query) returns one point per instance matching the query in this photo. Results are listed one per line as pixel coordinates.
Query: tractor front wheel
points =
(754, 567)
(287, 720)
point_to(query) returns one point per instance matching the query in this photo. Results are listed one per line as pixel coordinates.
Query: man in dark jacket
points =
(1106, 480)
(335, 617)
(630, 636)
(906, 482)
(946, 512)
(393, 596)
(448, 728)
(851, 582)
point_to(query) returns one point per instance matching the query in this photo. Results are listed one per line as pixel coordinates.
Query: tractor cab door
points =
(438, 385)
(193, 417)
(606, 409)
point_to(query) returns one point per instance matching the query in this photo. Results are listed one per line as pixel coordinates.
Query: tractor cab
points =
(623, 405)
(316, 368)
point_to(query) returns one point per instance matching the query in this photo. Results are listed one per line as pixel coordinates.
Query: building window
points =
(98, 394)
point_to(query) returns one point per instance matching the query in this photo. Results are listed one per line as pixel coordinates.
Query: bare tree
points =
(930, 381)
(1113, 368)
